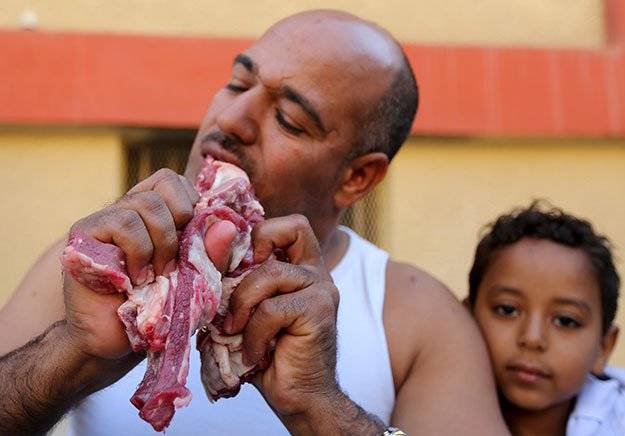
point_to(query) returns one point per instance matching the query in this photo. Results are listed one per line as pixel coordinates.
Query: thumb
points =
(218, 243)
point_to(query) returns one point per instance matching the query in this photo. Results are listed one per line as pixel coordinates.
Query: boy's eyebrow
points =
(574, 302)
(500, 288)
(581, 304)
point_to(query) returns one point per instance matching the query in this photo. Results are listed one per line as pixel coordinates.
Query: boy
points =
(543, 289)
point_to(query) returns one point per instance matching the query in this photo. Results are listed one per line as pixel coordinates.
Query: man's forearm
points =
(44, 378)
(333, 415)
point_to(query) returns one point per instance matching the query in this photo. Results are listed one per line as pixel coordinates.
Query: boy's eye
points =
(566, 322)
(506, 310)
(286, 125)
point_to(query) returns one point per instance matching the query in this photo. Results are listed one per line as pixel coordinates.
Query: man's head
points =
(313, 111)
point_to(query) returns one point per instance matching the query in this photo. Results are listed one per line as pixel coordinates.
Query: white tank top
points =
(363, 367)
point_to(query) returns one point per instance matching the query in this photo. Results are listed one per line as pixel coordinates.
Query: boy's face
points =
(539, 309)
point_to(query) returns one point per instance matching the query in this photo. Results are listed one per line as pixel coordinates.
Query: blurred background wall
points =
(521, 99)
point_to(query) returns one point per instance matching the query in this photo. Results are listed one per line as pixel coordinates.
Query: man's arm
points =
(440, 364)
(334, 414)
(36, 303)
(44, 378)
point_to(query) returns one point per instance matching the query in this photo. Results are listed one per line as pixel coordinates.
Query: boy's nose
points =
(532, 334)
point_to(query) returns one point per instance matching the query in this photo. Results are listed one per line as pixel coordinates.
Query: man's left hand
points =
(294, 303)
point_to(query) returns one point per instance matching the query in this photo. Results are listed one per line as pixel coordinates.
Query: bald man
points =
(314, 111)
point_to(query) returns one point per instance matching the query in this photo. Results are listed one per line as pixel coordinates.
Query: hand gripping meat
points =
(162, 315)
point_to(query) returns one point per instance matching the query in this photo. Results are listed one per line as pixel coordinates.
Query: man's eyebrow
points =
(297, 98)
(286, 91)
(246, 61)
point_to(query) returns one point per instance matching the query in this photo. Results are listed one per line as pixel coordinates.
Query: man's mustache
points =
(229, 142)
(232, 144)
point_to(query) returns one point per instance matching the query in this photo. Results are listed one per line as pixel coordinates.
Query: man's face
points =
(539, 309)
(289, 114)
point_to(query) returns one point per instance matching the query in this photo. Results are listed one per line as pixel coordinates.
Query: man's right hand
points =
(144, 225)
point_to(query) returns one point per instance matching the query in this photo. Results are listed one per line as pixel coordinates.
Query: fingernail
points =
(170, 267)
(228, 323)
(144, 275)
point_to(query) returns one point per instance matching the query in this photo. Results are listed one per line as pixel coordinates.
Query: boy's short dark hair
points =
(542, 221)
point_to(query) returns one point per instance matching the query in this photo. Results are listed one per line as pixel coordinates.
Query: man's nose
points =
(533, 333)
(241, 117)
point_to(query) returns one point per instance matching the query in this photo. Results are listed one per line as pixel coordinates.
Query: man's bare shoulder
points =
(419, 313)
(412, 291)
(438, 358)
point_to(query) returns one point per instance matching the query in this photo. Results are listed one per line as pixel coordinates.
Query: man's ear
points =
(359, 177)
(466, 304)
(607, 345)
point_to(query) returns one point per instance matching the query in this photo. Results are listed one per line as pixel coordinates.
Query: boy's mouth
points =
(528, 373)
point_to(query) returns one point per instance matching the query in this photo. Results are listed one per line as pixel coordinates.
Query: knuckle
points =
(328, 299)
(184, 212)
(82, 224)
(166, 174)
(271, 270)
(102, 217)
(266, 309)
(308, 275)
(128, 220)
(186, 183)
(300, 221)
(151, 201)
(128, 198)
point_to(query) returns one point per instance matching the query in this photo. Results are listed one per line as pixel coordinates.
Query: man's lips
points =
(213, 149)
(528, 373)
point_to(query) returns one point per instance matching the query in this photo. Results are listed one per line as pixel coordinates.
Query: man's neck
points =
(334, 247)
(551, 421)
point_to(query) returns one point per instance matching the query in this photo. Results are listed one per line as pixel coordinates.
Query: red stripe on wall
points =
(62, 78)
(129, 80)
(520, 91)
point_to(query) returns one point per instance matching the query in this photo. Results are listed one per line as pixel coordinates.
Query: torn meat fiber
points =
(162, 315)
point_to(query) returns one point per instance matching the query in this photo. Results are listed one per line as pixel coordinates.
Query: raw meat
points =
(162, 315)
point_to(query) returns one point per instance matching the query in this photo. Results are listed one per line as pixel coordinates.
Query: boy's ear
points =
(608, 341)
(359, 177)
